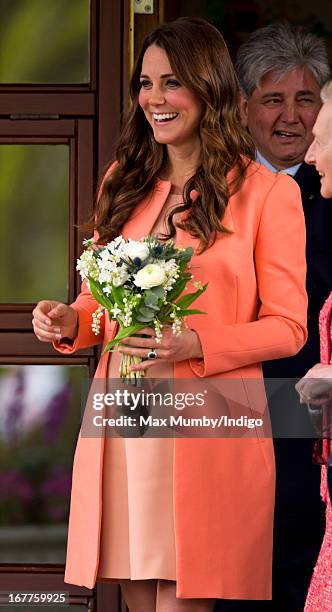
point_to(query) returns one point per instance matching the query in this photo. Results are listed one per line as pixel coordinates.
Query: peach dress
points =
(137, 534)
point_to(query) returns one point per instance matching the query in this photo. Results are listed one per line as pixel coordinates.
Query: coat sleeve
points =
(85, 305)
(280, 328)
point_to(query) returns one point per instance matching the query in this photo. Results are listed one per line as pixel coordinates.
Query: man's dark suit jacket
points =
(299, 513)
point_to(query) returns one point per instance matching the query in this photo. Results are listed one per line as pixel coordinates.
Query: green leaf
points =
(182, 267)
(145, 314)
(187, 254)
(145, 311)
(99, 296)
(144, 319)
(152, 298)
(186, 311)
(177, 289)
(157, 292)
(154, 307)
(118, 295)
(189, 298)
(164, 312)
(124, 332)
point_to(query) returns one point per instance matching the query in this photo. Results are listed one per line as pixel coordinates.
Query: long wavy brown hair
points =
(200, 60)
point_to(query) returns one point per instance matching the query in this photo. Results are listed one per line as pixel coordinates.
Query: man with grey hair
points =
(281, 69)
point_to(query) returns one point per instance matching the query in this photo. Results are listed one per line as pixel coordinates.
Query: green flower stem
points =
(125, 372)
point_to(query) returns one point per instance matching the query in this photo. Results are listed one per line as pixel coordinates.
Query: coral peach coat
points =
(223, 488)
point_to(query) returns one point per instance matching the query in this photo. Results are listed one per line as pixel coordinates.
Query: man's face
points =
(280, 115)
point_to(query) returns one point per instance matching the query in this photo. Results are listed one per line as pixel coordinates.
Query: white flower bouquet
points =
(139, 284)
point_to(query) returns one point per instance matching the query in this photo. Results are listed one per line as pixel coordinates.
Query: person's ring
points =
(152, 354)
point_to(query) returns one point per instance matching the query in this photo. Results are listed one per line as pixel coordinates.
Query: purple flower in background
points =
(14, 485)
(56, 412)
(13, 423)
(56, 491)
(58, 483)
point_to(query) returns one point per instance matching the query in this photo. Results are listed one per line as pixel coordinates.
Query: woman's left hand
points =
(316, 386)
(170, 348)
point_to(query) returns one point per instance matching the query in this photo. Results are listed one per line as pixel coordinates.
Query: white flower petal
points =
(150, 276)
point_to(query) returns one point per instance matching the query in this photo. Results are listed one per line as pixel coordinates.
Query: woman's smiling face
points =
(320, 152)
(173, 111)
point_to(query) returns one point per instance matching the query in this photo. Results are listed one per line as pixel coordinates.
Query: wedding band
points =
(152, 354)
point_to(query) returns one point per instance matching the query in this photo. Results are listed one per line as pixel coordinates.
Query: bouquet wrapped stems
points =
(125, 373)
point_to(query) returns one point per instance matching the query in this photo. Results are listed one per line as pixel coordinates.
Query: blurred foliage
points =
(34, 198)
(36, 459)
(44, 41)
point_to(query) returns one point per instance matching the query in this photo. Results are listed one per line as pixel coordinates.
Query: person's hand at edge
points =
(53, 321)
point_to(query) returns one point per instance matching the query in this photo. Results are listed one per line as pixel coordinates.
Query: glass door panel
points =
(34, 212)
(44, 41)
(40, 416)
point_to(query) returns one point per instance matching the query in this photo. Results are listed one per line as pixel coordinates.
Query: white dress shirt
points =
(292, 170)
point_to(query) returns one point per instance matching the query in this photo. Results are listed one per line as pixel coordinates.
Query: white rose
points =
(151, 275)
(136, 249)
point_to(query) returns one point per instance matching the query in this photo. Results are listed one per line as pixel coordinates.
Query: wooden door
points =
(61, 88)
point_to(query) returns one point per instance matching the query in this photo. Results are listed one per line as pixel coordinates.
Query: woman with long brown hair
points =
(181, 522)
